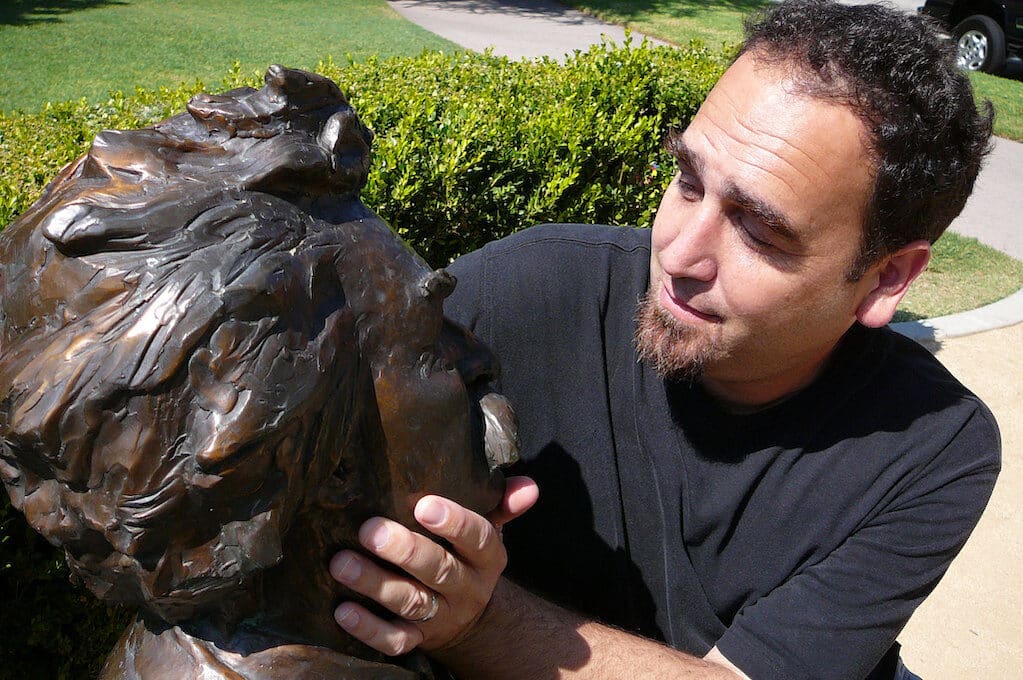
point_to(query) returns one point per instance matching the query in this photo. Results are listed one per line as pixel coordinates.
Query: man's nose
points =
(693, 251)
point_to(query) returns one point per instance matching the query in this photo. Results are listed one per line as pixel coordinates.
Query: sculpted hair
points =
(175, 350)
(899, 76)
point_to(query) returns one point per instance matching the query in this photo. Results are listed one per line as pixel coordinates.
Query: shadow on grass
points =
(629, 9)
(905, 315)
(28, 12)
(1014, 70)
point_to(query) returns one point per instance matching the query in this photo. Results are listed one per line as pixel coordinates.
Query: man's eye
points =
(687, 185)
(752, 231)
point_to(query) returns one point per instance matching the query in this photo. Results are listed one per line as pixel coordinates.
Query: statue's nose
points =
(473, 360)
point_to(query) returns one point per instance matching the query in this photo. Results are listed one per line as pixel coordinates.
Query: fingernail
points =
(349, 571)
(346, 617)
(431, 513)
(379, 537)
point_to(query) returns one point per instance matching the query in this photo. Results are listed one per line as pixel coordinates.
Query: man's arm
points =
(485, 626)
(523, 636)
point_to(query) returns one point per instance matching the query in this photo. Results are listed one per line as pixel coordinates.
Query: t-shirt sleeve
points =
(838, 616)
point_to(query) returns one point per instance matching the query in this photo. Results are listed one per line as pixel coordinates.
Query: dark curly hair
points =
(899, 76)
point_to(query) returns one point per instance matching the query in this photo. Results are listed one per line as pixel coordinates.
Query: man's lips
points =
(682, 310)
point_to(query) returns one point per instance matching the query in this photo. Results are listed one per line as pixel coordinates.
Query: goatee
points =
(675, 351)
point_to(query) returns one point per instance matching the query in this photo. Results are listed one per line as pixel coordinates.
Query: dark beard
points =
(675, 351)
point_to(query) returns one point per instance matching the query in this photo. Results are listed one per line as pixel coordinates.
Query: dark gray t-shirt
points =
(798, 539)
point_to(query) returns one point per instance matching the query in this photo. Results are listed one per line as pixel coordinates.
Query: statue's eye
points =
(430, 363)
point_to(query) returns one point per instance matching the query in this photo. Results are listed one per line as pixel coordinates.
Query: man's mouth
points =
(682, 310)
(501, 430)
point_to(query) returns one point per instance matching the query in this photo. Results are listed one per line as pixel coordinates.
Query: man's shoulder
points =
(551, 266)
(550, 277)
(554, 239)
(912, 382)
(912, 366)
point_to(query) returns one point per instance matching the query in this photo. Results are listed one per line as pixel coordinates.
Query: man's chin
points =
(674, 350)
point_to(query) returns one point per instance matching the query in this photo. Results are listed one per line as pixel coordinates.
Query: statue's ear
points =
(59, 385)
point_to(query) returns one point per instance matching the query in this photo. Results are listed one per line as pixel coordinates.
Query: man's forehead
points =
(800, 162)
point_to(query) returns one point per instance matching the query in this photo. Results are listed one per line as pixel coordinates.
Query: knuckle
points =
(380, 640)
(458, 525)
(492, 551)
(400, 646)
(448, 571)
(487, 537)
(377, 642)
(402, 643)
(414, 605)
(406, 552)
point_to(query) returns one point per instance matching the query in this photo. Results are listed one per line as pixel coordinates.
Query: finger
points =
(520, 494)
(417, 555)
(387, 637)
(400, 595)
(472, 536)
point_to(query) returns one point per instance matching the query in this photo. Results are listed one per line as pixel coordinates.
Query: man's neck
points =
(750, 396)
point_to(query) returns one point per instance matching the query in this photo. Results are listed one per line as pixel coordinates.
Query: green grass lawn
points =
(1007, 97)
(963, 274)
(55, 50)
(715, 24)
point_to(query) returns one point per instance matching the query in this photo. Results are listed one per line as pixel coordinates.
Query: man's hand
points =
(442, 593)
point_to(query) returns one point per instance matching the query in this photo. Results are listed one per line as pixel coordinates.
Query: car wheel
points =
(980, 44)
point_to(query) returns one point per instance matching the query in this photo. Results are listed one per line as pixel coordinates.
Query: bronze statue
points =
(216, 363)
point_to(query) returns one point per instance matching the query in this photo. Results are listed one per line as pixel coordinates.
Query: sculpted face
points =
(430, 381)
(755, 236)
(209, 344)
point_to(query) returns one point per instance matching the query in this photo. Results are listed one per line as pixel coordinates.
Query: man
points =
(780, 480)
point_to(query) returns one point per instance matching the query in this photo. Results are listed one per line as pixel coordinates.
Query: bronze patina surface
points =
(216, 363)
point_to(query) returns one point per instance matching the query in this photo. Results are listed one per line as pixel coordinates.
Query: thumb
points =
(520, 494)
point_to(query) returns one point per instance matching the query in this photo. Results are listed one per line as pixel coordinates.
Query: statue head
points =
(207, 341)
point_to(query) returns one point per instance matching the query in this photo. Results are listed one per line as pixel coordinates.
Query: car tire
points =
(980, 44)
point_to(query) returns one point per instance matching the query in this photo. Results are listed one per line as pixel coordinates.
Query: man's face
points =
(755, 236)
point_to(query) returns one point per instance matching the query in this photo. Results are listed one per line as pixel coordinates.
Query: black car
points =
(986, 33)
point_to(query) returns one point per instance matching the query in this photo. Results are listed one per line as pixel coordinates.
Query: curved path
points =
(970, 626)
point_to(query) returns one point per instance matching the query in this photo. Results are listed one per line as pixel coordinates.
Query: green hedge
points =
(468, 148)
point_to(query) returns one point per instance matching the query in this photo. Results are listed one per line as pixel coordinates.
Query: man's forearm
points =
(523, 636)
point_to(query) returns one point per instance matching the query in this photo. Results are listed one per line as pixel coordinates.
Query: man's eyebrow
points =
(677, 147)
(774, 219)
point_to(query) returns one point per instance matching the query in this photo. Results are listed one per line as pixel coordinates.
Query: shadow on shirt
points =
(557, 550)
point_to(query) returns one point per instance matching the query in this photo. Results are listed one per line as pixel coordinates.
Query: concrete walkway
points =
(971, 626)
(520, 29)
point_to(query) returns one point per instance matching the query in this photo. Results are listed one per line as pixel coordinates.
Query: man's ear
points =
(891, 278)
